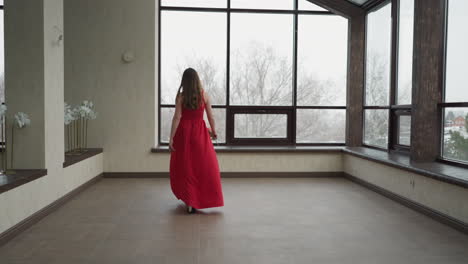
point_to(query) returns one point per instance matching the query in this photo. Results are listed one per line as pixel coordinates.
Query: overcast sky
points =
(457, 54)
(193, 35)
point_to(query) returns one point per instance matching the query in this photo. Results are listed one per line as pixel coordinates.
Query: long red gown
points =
(194, 169)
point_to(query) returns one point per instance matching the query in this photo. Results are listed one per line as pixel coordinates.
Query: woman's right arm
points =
(209, 114)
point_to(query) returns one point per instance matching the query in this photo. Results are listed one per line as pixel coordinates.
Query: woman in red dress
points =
(194, 169)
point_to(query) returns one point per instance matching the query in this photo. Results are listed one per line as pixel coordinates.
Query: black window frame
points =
(231, 110)
(394, 110)
(444, 105)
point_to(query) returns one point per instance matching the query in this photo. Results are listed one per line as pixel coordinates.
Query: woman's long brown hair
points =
(192, 89)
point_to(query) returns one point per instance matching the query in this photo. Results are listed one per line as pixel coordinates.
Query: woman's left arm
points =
(175, 121)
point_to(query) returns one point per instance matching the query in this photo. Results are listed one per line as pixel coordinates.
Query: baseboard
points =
(436, 215)
(230, 174)
(136, 175)
(324, 174)
(37, 216)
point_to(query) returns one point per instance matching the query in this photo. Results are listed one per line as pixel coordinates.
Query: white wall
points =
(97, 33)
(443, 197)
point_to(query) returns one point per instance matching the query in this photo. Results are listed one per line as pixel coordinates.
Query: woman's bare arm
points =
(175, 121)
(209, 114)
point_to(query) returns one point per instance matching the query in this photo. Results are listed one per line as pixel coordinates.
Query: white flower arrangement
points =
(22, 120)
(86, 110)
(69, 114)
(77, 131)
(3, 109)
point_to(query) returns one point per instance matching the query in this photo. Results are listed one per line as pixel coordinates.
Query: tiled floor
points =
(264, 221)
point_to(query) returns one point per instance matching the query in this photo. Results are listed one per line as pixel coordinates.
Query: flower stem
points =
(12, 144)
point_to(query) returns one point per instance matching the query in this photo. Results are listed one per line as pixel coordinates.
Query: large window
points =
(455, 106)
(275, 73)
(378, 62)
(387, 109)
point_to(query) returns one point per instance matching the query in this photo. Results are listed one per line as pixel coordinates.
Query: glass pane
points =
(376, 128)
(2, 59)
(379, 29)
(263, 4)
(456, 134)
(306, 5)
(220, 122)
(322, 60)
(207, 54)
(404, 129)
(260, 125)
(166, 122)
(457, 54)
(405, 52)
(320, 126)
(195, 3)
(261, 59)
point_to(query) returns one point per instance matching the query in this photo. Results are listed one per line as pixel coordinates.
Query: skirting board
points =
(37, 216)
(230, 174)
(436, 215)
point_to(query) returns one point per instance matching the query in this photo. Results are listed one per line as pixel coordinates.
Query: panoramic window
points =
(405, 51)
(274, 73)
(378, 63)
(387, 109)
(321, 79)
(401, 102)
(455, 108)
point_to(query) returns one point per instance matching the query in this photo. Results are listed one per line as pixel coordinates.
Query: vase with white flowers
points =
(70, 117)
(77, 121)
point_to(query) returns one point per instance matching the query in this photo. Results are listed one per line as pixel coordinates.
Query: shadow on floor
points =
(181, 209)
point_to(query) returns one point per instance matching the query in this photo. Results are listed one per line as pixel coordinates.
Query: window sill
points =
(72, 159)
(261, 149)
(11, 181)
(435, 170)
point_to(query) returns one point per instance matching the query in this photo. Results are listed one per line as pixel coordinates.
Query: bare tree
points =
(259, 76)
(213, 78)
(377, 93)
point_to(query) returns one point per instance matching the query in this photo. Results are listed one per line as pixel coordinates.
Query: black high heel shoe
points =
(190, 210)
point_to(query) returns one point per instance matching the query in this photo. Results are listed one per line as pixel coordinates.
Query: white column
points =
(34, 80)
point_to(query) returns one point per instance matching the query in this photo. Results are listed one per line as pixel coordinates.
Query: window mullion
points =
(393, 127)
(293, 122)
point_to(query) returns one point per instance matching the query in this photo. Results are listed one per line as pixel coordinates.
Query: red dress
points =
(194, 170)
